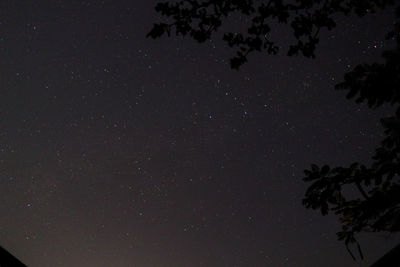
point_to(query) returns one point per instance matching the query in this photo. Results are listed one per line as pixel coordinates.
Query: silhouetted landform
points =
(8, 260)
(390, 259)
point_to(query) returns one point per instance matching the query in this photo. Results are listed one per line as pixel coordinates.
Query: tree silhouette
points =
(377, 208)
(201, 18)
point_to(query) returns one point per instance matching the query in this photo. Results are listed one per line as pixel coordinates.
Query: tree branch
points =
(363, 193)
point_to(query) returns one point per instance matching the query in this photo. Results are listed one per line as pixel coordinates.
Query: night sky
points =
(118, 150)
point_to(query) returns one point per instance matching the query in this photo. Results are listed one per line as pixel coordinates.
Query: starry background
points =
(117, 150)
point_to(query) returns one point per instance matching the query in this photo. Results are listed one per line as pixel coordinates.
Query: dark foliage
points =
(377, 206)
(199, 19)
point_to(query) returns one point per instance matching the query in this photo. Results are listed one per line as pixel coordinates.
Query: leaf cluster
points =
(199, 19)
(378, 206)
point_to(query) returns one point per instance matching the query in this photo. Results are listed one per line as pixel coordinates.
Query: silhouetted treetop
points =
(199, 19)
(377, 208)
(375, 205)
(377, 83)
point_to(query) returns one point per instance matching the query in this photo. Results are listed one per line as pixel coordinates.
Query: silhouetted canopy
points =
(378, 206)
(200, 19)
